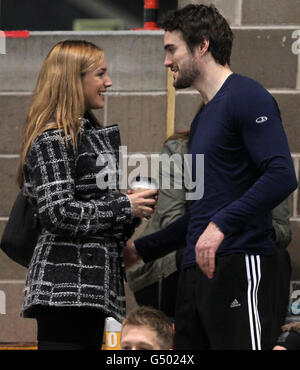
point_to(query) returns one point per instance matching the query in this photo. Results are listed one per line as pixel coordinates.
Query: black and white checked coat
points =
(69, 267)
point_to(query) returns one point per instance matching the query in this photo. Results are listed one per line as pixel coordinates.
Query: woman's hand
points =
(143, 203)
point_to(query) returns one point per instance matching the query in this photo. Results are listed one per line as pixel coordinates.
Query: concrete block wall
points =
(137, 101)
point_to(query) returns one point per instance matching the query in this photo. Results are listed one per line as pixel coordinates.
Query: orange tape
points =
(15, 34)
(151, 4)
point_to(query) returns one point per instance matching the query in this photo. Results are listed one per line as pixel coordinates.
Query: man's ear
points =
(203, 47)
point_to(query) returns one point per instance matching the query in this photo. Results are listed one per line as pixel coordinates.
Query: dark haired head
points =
(198, 23)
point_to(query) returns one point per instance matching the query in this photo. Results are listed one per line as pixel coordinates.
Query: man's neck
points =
(211, 80)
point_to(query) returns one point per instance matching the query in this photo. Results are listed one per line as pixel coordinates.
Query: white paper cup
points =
(142, 184)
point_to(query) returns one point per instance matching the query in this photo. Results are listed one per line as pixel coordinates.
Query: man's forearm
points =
(164, 241)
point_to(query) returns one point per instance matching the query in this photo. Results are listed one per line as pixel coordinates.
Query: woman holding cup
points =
(75, 278)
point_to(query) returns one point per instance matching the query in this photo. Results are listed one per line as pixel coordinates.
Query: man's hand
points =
(206, 247)
(130, 254)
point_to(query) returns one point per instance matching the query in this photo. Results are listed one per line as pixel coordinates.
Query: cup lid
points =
(143, 182)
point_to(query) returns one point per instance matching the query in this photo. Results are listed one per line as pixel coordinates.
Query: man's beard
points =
(187, 75)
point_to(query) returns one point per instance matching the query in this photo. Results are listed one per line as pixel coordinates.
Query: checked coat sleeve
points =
(51, 163)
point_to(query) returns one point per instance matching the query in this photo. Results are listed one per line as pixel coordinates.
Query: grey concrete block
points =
(14, 328)
(13, 111)
(142, 120)
(134, 58)
(271, 12)
(266, 56)
(10, 270)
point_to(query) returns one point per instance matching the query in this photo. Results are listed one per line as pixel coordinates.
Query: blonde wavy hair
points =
(58, 99)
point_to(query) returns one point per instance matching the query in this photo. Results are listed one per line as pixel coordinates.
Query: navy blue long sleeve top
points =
(248, 170)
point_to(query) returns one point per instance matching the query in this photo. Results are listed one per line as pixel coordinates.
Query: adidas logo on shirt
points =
(235, 303)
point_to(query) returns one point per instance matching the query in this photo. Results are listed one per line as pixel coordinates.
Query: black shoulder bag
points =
(21, 232)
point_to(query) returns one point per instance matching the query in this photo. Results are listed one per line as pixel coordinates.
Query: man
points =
(227, 303)
(146, 328)
(289, 338)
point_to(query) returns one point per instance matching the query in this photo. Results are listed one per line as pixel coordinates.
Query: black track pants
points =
(236, 310)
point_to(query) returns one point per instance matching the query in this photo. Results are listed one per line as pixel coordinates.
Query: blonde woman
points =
(75, 278)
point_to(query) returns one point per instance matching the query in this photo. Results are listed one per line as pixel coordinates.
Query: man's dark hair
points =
(198, 23)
